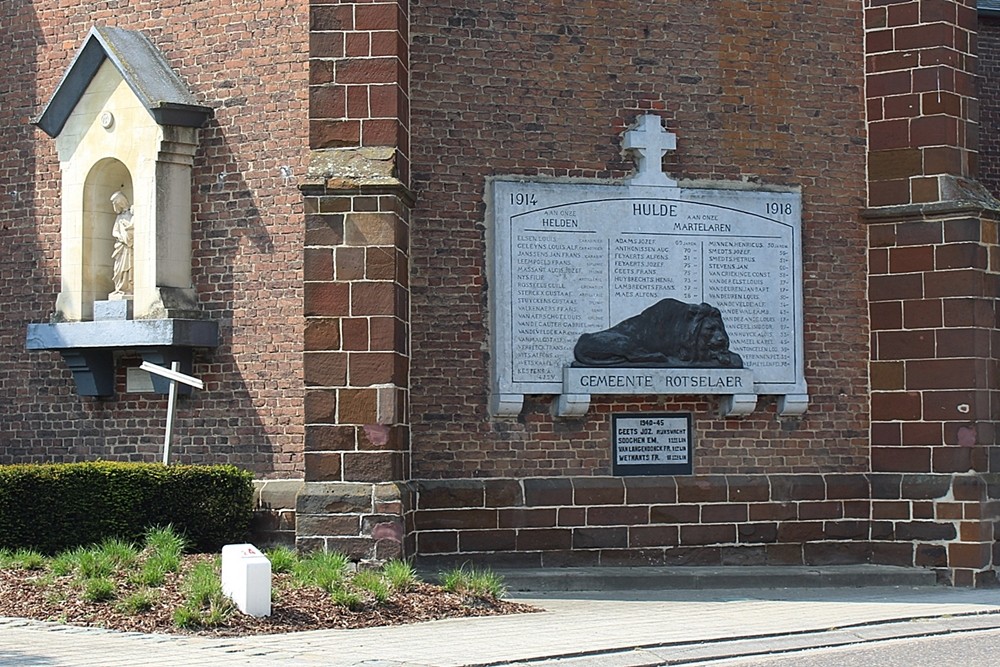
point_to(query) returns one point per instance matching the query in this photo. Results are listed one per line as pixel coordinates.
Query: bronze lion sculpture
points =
(668, 334)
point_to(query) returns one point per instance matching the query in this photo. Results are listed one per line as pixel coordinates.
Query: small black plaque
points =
(656, 443)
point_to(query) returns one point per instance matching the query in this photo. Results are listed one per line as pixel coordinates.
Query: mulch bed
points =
(293, 608)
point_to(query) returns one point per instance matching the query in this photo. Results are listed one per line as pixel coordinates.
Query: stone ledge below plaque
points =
(589, 380)
(735, 387)
(734, 384)
(88, 347)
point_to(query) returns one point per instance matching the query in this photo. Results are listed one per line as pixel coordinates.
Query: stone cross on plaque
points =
(649, 141)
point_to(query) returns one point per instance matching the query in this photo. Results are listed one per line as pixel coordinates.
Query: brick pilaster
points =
(932, 291)
(359, 76)
(358, 206)
(932, 288)
(922, 98)
(933, 285)
(356, 363)
(356, 356)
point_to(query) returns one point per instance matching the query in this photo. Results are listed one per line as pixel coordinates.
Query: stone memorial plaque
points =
(651, 444)
(572, 258)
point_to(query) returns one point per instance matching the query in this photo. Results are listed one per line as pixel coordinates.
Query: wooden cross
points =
(649, 141)
(174, 375)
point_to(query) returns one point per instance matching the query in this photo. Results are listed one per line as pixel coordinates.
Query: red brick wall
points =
(989, 103)
(248, 60)
(768, 92)
(708, 520)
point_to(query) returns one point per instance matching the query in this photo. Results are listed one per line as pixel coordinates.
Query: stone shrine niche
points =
(126, 132)
(95, 268)
(645, 287)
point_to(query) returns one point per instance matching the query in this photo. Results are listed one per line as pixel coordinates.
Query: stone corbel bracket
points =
(569, 406)
(737, 405)
(793, 405)
(506, 405)
(734, 386)
(572, 406)
(730, 405)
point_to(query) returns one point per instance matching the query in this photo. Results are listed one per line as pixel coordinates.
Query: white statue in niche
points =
(124, 234)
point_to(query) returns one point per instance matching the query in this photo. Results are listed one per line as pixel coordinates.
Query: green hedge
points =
(53, 507)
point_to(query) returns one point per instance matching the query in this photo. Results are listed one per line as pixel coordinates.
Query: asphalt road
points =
(964, 649)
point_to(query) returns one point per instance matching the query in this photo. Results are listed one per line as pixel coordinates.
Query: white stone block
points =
(246, 578)
(111, 310)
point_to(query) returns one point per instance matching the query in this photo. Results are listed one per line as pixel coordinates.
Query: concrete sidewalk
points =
(610, 629)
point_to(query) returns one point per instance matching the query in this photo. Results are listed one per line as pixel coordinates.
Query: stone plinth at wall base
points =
(363, 520)
(711, 578)
(973, 578)
(939, 522)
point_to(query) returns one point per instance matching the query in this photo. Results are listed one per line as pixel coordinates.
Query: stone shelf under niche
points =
(89, 347)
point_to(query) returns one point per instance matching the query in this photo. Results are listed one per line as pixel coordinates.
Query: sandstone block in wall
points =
(276, 493)
(334, 497)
